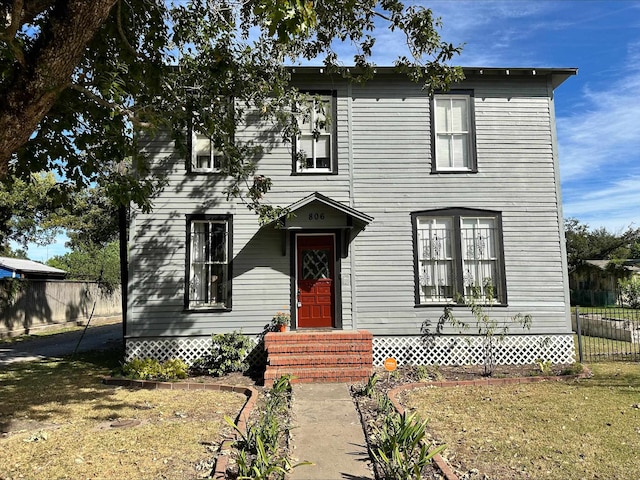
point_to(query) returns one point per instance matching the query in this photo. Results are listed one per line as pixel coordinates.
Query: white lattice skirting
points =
(469, 350)
(445, 350)
(187, 349)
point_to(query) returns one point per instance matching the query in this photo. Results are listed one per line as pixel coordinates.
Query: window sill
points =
(454, 304)
(314, 172)
(446, 172)
(206, 309)
(204, 172)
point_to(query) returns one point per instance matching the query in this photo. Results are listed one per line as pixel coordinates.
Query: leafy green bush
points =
(151, 369)
(630, 291)
(228, 354)
(575, 369)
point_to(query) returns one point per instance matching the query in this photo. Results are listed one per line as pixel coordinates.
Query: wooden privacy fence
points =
(604, 334)
(31, 305)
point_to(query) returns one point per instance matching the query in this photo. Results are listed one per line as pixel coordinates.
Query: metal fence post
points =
(579, 328)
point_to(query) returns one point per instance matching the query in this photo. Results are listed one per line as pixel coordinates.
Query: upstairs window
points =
(314, 146)
(458, 251)
(453, 133)
(209, 247)
(204, 156)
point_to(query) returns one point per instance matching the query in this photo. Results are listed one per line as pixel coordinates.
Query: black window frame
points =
(190, 158)
(456, 213)
(199, 217)
(333, 94)
(473, 155)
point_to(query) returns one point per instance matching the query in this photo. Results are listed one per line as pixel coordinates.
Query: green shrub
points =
(151, 369)
(575, 369)
(228, 354)
(630, 291)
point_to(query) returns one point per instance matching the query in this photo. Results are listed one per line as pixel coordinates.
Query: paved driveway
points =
(95, 338)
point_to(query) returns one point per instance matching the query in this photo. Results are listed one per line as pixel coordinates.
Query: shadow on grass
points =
(30, 390)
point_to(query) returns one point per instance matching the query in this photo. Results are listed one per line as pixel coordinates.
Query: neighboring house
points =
(399, 202)
(29, 270)
(595, 282)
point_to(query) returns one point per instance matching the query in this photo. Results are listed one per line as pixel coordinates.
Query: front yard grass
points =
(582, 429)
(58, 421)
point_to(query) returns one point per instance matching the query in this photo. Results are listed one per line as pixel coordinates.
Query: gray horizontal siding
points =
(386, 141)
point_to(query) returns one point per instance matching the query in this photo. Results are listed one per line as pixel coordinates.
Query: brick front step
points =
(315, 347)
(331, 356)
(331, 336)
(320, 360)
(317, 374)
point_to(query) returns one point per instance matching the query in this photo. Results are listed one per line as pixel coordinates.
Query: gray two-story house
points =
(400, 201)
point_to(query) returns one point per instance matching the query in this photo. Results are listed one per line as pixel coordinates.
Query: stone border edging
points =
(444, 467)
(251, 393)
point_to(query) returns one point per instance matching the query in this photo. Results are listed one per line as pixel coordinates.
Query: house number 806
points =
(316, 216)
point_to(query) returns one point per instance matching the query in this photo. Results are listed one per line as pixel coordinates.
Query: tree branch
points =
(123, 37)
(35, 88)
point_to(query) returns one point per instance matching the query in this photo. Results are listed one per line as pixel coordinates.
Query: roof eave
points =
(558, 75)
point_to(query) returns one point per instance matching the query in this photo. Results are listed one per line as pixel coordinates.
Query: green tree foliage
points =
(29, 210)
(92, 220)
(78, 78)
(91, 223)
(91, 263)
(630, 291)
(584, 243)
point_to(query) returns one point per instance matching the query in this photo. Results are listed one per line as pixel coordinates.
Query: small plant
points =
(369, 388)
(544, 366)
(575, 369)
(228, 354)
(384, 405)
(258, 456)
(280, 320)
(479, 302)
(400, 449)
(151, 369)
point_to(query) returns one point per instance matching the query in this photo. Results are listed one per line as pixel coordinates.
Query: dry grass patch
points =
(60, 422)
(583, 429)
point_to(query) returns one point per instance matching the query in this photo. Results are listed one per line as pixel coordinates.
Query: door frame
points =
(337, 281)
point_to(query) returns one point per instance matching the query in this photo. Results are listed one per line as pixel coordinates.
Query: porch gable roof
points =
(351, 213)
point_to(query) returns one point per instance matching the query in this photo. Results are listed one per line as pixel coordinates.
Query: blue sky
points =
(597, 111)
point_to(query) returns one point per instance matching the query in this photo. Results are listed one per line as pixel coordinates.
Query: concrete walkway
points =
(326, 430)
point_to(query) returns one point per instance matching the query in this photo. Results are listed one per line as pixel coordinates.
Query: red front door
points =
(315, 274)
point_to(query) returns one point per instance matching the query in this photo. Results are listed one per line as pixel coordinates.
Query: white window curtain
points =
(436, 259)
(452, 132)
(480, 257)
(209, 264)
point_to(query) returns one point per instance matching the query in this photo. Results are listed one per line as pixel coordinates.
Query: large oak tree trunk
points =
(47, 70)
